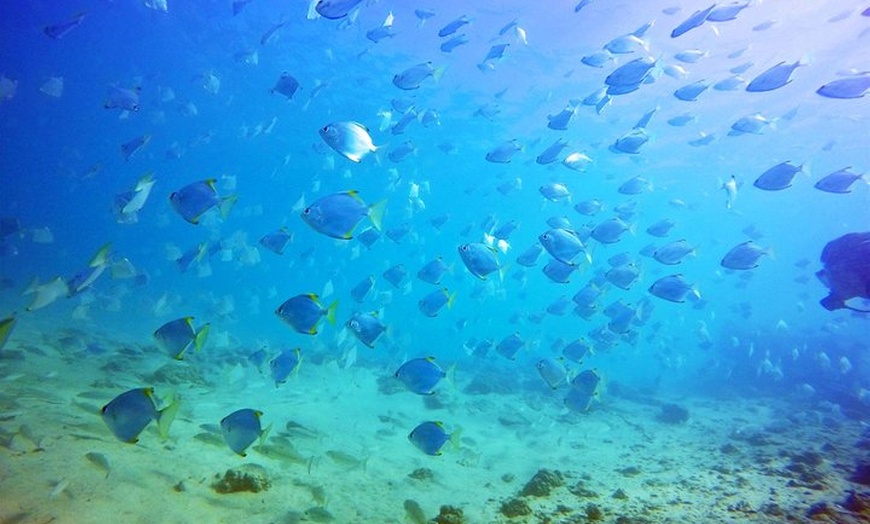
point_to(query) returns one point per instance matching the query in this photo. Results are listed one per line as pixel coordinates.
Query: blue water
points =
(753, 332)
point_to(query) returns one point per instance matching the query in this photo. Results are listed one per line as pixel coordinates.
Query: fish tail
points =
(201, 336)
(167, 415)
(265, 434)
(226, 205)
(438, 73)
(450, 299)
(330, 312)
(456, 438)
(376, 214)
(101, 258)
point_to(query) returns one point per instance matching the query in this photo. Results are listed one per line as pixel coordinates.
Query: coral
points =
(673, 414)
(515, 508)
(235, 481)
(620, 494)
(593, 512)
(449, 515)
(542, 483)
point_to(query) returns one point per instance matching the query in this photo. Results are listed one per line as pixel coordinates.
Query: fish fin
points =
(376, 214)
(450, 299)
(265, 434)
(456, 438)
(330, 312)
(201, 335)
(101, 258)
(167, 415)
(438, 72)
(226, 205)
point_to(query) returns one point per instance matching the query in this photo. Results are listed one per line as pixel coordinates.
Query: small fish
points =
(561, 120)
(629, 76)
(577, 161)
(631, 142)
(588, 207)
(128, 149)
(413, 77)
(395, 275)
(661, 228)
(241, 428)
(285, 364)
(361, 290)
(414, 512)
(610, 231)
(277, 240)
(635, 186)
(562, 244)
(503, 153)
(350, 139)
(286, 85)
(97, 265)
(337, 215)
(576, 351)
(774, 78)
(846, 88)
(778, 177)
(304, 312)
(674, 252)
(239, 5)
(839, 181)
(480, 259)
(366, 327)
(430, 437)
(420, 375)
(433, 271)
(727, 12)
(130, 412)
(194, 200)
(554, 191)
(121, 98)
(558, 271)
(691, 92)
(453, 26)
(453, 43)
(551, 154)
(177, 336)
(59, 30)
(673, 288)
(431, 304)
(553, 372)
(744, 256)
(100, 461)
(529, 257)
(695, 20)
(754, 124)
(335, 9)
(510, 345)
(732, 83)
(623, 276)
(598, 59)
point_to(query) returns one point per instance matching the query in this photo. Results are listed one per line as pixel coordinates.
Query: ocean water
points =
(741, 399)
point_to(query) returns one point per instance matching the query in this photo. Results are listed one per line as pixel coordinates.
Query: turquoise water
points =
(207, 106)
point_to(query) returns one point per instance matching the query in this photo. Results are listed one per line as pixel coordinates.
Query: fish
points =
(503, 232)
(122, 98)
(395, 275)
(576, 350)
(673, 253)
(510, 345)
(732, 83)
(551, 154)
(413, 77)
(433, 271)
(562, 244)
(610, 231)
(337, 215)
(673, 288)
(61, 29)
(553, 372)
(846, 271)
(577, 161)
(480, 259)
(96, 266)
(744, 256)
(635, 186)
(53, 87)
(177, 336)
(558, 271)
(366, 327)
(420, 375)
(588, 207)
(451, 44)
(753, 124)
(285, 364)
(431, 304)
(195, 199)
(773, 78)
(277, 240)
(629, 76)
(286, 85)
(414, 512)
(46, 293)
(561, 120)
(335, 9)
(453, 26)
(6, 326)
(241, 428)
(690, 56)
(695, 20)
(598, 59)
(730, 187)
(623, 276)
(554, 191)
(304, 312)
(846, 88)
(350, 139)
(691, 92)
(504, 152)
(778, 177)
(100, 461)
(430, 437)
(130, 148)
(529, 257)
(839, 181)
(727, 12)
(661, 228)
(361, 290)
(129, 203)
(128, 414)
(631, 142)
(402, 151)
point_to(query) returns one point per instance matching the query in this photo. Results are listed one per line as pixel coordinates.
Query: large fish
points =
(847, 270)
(351, 139)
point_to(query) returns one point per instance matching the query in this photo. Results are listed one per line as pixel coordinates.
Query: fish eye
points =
(307, 211)
(464, 247)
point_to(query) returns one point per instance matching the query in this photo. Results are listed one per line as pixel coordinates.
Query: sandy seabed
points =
(338, 449)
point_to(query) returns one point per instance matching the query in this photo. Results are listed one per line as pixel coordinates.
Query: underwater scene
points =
(373, 261)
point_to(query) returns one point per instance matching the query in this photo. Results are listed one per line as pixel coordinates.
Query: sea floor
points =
(338, 449)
